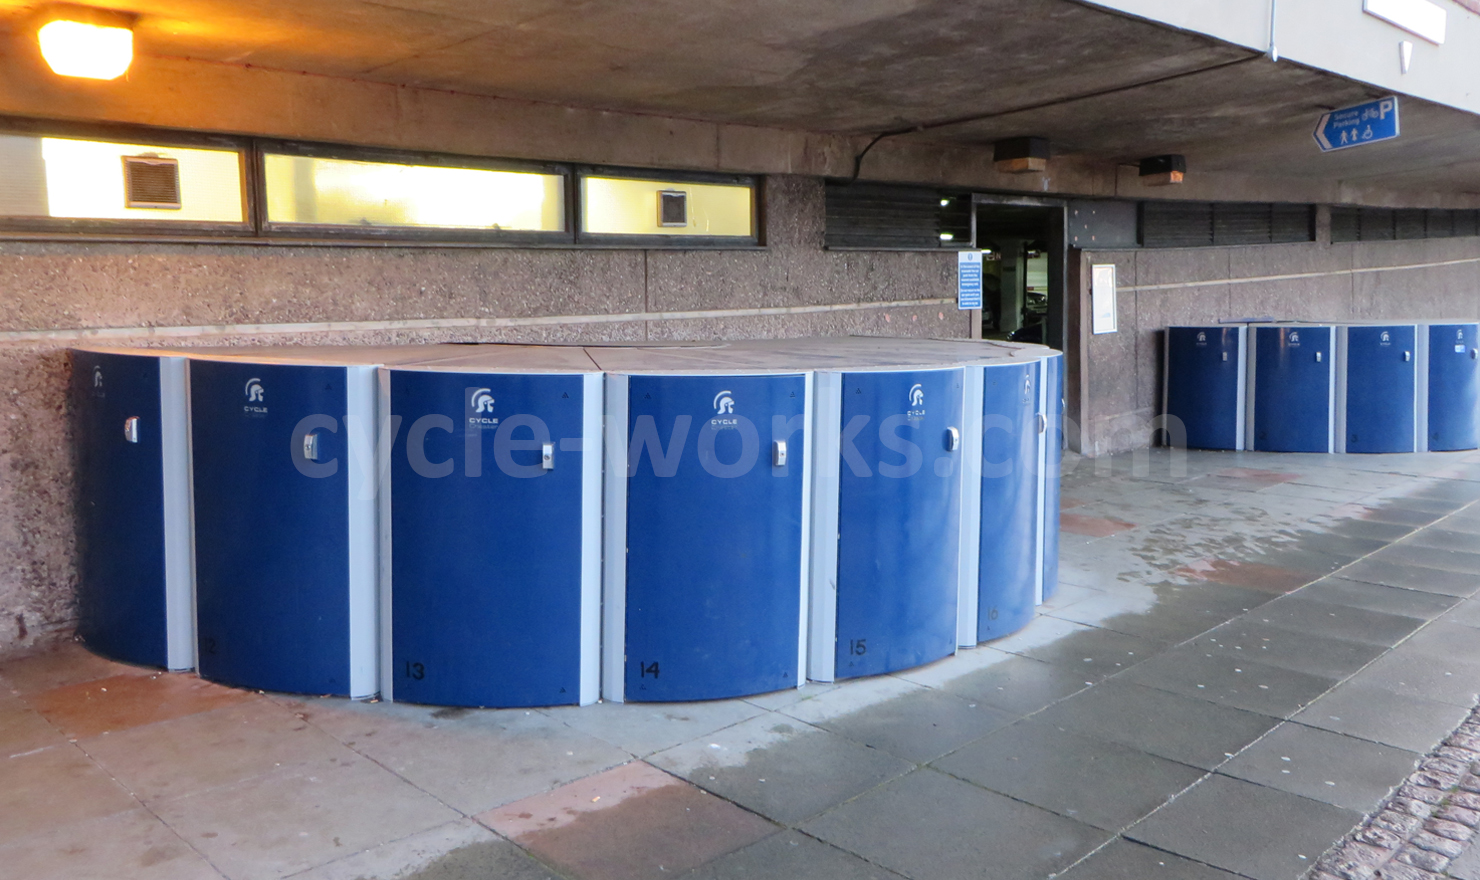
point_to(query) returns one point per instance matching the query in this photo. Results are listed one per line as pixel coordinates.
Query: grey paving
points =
(1339, 590)
(1019, 684)
(1231, 681)
(1323, 766)
(1413, 577)
(787, 855)
(954, 830)
(1466, 613)
(1248, 829)
(1096, 652)
(1416, 674)
(1408, 553)
(494, 858)
(1444, 640)
(1301, 616)
(1185, 729)
(1467, 866)
(1302, 652)
(1181, 611)
(1382, 716)
(1104, 784)
(1442, 538)
(1127, 860)
(920, 726)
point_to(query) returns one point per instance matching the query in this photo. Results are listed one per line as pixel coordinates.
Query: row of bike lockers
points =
(509, 525)
(1307, 387)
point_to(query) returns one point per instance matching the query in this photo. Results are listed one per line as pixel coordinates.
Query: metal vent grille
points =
(1205, 224)
(864, 216)
(673, 208)
(151, 182)
(1176, 224)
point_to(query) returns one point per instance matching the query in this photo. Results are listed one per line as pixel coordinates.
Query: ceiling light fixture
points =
(88, 43)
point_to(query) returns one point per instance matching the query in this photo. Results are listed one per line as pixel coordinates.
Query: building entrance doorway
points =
(1023, 269)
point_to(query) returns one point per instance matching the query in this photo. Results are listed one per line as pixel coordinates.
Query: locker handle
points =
(547, 456)
(1318, 357)
(311, 446)
(778, 453)
(131, 429)
(1042, 423)
(1407, 356)
(953, 439)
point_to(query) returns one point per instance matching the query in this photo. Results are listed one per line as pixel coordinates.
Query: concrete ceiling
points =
(1098, 84)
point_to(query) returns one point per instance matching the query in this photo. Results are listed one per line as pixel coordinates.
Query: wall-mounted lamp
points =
(1021, 155)
(85, 42)
(1163, 170)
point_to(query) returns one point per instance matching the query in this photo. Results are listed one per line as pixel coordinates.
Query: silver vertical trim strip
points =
(968, 594)
(179, 538)
(360, 391)
(809, 404)
(826, 444)
(1240, 442)
(1251, 428)
(1421, 388)
(593, 407)
(1331, 378)
(1042, 466)
(385, 538)
(1343, 345)
(614, 559)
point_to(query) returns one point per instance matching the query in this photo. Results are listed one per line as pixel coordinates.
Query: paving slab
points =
(634, 822)
(1101, 783)
(121, 702)
(132, 844)
(1446, 680)
(1440, 538)
(956, 831)
(1231, 681)
(1123, 859)
(1095, 652)
(1409, 553)
(1185, 729)
(1175, 611)
(1301, 616)
(918, 726)
(1323, 766)
(1413, 577)
(1466, 613)
(1383, 716)
(643, 728)
(1018, 685)
(52, 787)
(780, 767)
(1302, 652)
(1467, 866)
(1339, 590)
(1251, 830)
(790, 855)
(460, 850)
(1445, 639)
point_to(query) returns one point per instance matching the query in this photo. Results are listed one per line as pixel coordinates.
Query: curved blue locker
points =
(1010, 532)
(128, 428)
(491, 494)
(898, 520)
(1292, 388)
(285, 556)
(713, 563)
(1452, 397)
(1376, 388)
(1203, 384)
(1053, 465)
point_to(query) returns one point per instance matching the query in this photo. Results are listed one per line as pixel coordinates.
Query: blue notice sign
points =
(1363, 124)
(968, 280)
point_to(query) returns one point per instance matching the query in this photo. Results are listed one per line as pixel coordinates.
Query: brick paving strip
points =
(1425, 826)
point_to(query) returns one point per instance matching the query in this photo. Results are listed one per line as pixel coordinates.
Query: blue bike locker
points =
(1203, 380)
(706, 524)
(285, 520)
(891, 576)
(1449, 378)
(1002, 521)
(1291, 388)
(1376, 388)
(493, 592)
(129, 432)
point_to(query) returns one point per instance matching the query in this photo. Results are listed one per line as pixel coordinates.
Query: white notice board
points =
(1102, 298)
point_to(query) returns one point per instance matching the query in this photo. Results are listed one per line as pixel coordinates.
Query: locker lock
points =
(778, 453)
(953, 439)
(1042, 423)
(1225, 357)
(311, 446)
(1474, 353)
(547, 456)
(1318, 357)
(1407, 356)
(131, 429)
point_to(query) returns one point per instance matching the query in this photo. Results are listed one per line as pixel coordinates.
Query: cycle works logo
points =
(916, 412)
(1385, 338)
(1202, 337)
(97, 385)
(1294, 337)
(480, 408)
(724, 405)
(256, 395)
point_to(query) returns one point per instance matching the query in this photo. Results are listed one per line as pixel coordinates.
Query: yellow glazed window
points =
(343, 192)
(625, 206)
(75, 179)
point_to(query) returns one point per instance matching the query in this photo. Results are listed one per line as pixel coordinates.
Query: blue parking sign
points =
(1366, 123)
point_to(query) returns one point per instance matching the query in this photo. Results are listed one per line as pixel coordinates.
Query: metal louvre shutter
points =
(1467, 222)
(1410, 223)
(1176, 224)
(1241, 223)
(1345, 224)
(1439, 223)
(879, 217)
(1292, 223)
(1375, 224)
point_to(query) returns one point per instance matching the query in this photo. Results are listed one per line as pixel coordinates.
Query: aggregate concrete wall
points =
(222, 294)
(1121, 384)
